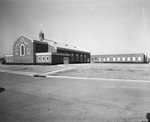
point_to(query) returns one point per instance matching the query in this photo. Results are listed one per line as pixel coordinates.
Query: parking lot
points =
(86, 92)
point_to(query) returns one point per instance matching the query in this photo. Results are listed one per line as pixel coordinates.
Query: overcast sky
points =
(100, 26)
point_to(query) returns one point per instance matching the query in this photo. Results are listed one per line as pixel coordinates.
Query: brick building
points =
(44, 51)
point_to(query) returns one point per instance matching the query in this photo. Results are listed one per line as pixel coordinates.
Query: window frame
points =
(22, 50)
(28, 50)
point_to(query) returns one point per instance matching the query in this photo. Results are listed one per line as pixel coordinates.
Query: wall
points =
(8, 58)
(40, 46)
(76, 56)
(27, 58)
(59, 58)
(123, 58)
(43, 58)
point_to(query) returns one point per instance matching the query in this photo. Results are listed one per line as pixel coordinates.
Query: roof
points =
(59, 44)
(64, 46)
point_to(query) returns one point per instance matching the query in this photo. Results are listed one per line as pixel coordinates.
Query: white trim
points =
(43, 54)
(28, 50)
(39, 58)
(27, 37)
(21, 50)
(43, 58)
(22, 40)
(47, 59)
(8, 55)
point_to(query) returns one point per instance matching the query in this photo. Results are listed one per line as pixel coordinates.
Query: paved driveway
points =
(36, 99)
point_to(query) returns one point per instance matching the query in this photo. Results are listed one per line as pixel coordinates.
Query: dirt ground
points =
(95, 70)
(110, 71)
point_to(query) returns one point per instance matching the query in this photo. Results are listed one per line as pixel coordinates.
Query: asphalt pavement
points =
(60, 99)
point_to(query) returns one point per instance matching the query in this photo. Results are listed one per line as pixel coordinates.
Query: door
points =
(66, 60)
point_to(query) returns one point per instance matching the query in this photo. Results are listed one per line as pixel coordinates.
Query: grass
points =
(111, 71)
(98, 70)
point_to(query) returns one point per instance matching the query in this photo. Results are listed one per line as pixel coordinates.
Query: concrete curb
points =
(34, 74)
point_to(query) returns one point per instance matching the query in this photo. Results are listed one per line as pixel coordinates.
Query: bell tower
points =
(41, 34)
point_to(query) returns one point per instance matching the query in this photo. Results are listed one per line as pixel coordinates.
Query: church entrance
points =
(66, 60)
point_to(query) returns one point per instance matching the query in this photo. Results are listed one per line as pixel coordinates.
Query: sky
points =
(100, 26)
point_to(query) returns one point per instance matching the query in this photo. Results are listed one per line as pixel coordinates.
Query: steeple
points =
(41, 34)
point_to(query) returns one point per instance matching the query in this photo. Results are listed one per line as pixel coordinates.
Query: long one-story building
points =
(119, 58)
(44, 51)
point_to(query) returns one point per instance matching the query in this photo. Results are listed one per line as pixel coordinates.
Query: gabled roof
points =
(64, 46)
(59, 44)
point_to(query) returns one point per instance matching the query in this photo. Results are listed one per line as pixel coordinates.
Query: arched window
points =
(81, 57)
(22, 50)
(28, 50)
(43, 58)
(77, 57)
(47, 58)
(72, 57)
(39, 58)
(84, 57)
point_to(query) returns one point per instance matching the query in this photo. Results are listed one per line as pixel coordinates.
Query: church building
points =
(44, 51)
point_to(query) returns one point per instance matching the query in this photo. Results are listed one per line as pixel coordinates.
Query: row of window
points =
(120, 59)
(22, 50)
(43, 59)
(9, 59)
(82, 57)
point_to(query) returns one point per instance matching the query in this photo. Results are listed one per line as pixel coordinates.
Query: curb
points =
(37, 75)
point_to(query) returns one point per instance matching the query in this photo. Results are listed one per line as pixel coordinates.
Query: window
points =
(99, 59)
(39, 58)
(104, 59)
(133, 58)
(118, 58)
(47, 58)
(72, 57)
(139, 59)
(114, 59)
(107, 59)
(28, 50)
(77, 57)
(22, 50)
(123, 59)
(16, 51)
(22, 39)
(128, 58)
(84, 57)
(81, 57)
(43, 58)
